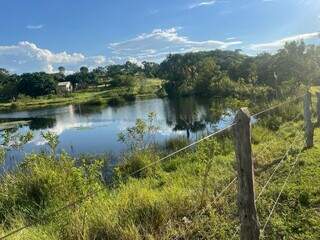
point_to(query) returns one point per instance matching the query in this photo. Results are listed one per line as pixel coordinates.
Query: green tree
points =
(124, 80)
(210, 80)
(84, 70)
(62, 70)
(150, 69)
(8, 85)
(181, 72)
(37, 84)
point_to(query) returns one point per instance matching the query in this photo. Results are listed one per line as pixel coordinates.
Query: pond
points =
(84, 129)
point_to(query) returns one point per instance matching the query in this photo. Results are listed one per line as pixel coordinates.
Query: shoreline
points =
(102, 97)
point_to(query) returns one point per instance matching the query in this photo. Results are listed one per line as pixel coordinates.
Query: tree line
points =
(222, 72)
(207, 73)
(41, 83)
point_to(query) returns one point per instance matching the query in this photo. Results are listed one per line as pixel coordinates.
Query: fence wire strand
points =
(276, 106)
(279, 164)
(281, 191)
(80, 200)
(264, 149)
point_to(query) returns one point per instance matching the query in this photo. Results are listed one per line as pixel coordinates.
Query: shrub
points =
(141, 135)
(116, 100)
(272, 122)
(129, 97)
(123, 80)
(14, 105)
(95, 102)
(135, 161)
(161, 93)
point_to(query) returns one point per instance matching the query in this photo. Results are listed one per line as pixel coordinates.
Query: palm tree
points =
(84, 70)
(62, 70)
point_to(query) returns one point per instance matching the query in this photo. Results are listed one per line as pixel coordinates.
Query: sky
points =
(41, 35)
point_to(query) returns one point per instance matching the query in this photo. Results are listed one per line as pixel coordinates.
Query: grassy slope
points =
(150, 86)
(166, 204)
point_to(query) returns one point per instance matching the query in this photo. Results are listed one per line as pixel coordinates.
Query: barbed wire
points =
(80, 200)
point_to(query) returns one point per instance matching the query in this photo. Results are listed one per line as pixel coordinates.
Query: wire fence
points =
(254, 120)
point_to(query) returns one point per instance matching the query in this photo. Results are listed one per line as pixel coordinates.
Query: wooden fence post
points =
(318, 109)
(308, 126)
(249, 229)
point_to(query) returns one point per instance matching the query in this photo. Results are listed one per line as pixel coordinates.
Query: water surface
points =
(94, 129)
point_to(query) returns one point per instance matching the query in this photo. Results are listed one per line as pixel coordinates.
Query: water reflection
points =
(42, 123)
(186, 115)
(94, 129)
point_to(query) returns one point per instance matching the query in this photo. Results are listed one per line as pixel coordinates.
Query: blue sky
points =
(41, 35)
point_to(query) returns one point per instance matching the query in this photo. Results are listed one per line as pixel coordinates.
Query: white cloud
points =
(202, 4)
(35, 27)
(275, 45)
(153, 12)
(28, 57)
(156, 45)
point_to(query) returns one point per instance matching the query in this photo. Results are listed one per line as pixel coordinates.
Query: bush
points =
(116, 100)
(123, 80)
(135, 161)
(161, 93)
(129, 97)
(95, 102)
(14, 105)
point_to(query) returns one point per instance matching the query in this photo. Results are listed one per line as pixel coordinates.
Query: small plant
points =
(140, 136)
(207, 153)
(13, 141)
(52, 140)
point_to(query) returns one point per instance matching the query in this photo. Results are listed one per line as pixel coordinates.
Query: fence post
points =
(318, 108)
(308, 126)
(249, 229)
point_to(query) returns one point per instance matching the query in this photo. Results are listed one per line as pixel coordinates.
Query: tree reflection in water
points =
(194, 115)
